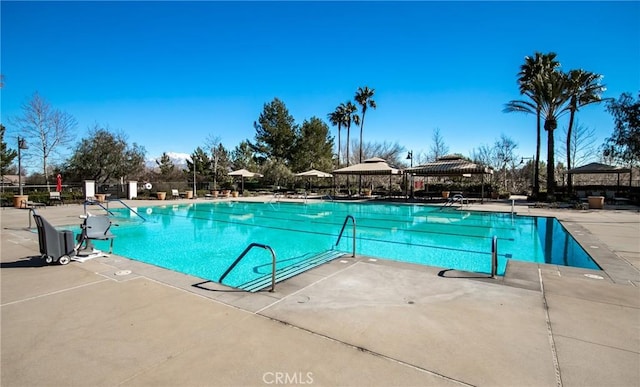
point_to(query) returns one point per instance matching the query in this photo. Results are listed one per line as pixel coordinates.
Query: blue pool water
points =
(203, 239)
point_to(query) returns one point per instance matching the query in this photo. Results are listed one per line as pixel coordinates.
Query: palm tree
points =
(350, 116)
(337, 118)
(364, 97)
(584, 88)
(548, 94)
(531, 71)
(553, 101)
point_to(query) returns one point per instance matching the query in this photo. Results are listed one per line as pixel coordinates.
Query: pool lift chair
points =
(58, 245)
(94, 227)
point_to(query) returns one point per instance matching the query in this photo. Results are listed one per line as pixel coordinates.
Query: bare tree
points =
(484, 155)
(505, 155)
(393, 153)
(582, 145)
(438, 148)
(48, 131)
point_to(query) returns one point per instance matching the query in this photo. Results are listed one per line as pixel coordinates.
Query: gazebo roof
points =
(450, 165)
(372, 166)
(597, 168)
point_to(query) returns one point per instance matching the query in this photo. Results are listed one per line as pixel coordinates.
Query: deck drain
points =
(123, 272)
(343, 261)
(373, 260)
(594, 247)
(594, 276)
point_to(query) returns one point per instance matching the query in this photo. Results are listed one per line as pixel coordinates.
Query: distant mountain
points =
(178, 159)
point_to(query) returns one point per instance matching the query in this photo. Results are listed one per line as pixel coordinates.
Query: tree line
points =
(551, 93)
(281, 146)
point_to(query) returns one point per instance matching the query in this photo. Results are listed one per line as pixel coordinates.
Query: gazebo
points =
(372, 166)
(599, 168)
(451, 165)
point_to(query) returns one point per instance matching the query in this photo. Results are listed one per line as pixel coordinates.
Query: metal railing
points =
(494, 256)
(125, 204)
(346, 219)
(252, 245)
(97, 203)
(32, 211)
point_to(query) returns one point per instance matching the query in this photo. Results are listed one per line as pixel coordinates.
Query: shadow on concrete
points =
(33, 261)
(200, 285)
(451, 273)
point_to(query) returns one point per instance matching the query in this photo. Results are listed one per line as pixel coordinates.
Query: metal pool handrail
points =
(252, 245)
(494, 256)
(125, 204)
(31, 211)
(98, 203)
(354, 232)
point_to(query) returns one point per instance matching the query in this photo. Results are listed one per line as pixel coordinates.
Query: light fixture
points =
(22, 144)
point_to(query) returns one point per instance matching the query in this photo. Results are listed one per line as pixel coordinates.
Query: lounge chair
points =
(30, 204)
(582, 196)
(95, 227)
(55, 198)
(55, 246)
(175, 194)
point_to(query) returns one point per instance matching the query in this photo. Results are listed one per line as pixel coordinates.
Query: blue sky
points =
(170, 74)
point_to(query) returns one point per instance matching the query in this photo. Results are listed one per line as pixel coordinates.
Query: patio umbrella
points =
(244, 173)
(314, 173)
(59, 183)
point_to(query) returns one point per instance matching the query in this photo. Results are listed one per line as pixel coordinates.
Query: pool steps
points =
(291, 271)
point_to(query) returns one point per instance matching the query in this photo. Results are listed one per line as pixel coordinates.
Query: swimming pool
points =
(203, 239)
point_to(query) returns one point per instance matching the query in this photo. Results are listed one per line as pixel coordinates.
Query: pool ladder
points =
(107, 207)
(273, 254)
(353, 220)
(251, 246)
(494, 256)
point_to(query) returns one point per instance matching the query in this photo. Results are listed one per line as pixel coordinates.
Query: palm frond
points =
(520, 106)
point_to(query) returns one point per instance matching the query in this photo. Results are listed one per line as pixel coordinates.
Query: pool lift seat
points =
(58, 245)
(94, 227)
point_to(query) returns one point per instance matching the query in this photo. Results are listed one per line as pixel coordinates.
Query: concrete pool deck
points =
(351, 322)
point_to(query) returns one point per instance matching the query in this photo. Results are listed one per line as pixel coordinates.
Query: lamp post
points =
(410, 157)
(215, 168)
(193, 165)
(22, 144)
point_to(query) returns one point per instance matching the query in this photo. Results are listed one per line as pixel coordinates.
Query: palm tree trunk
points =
(536, 167)
(360, 158)
(361, 126)
(339, 150)
(569, 166)
(551, 178)
(348, 138)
